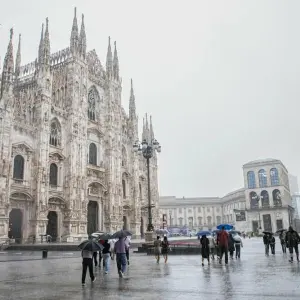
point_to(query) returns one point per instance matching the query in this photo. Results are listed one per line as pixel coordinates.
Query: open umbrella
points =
(105, 236)
(162, 231)
(267, 232)
(226, 226)
(281, 230)
(96, 234)
(90, 245)
(121, 234)
(203, 232)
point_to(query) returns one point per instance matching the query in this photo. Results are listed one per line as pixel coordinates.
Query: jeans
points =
(106, 258)
(238, 250)
(224, 250)
(121, 262)
(127, 254)
(296, 250)
(87, 263)
(272, 248)
(267, 246)
(283, 246)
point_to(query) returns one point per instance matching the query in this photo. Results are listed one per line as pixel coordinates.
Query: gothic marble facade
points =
(67, 164)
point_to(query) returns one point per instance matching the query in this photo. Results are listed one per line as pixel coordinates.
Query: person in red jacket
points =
(223, 245)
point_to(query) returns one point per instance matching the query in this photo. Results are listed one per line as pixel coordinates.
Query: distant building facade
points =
(264, 202)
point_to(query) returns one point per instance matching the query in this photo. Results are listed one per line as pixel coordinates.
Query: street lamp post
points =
(147, 150)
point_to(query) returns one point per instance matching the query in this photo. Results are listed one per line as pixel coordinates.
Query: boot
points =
(291, 260)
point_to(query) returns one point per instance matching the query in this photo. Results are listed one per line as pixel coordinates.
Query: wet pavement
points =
(253, 277)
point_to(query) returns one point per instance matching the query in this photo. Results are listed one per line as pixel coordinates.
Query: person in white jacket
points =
(238, 244)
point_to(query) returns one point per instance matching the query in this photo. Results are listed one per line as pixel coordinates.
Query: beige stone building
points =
(264, 203)
(67, 164)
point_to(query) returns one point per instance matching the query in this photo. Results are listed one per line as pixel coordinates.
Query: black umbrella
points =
(121, 234)
(105, 236)
(90, 245)
(280, 230)
(267, 232)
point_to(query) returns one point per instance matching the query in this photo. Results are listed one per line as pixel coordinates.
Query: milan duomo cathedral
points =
(67, 165)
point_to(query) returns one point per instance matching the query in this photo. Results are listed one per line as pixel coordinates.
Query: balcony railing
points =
(20, 183)
(266, 207)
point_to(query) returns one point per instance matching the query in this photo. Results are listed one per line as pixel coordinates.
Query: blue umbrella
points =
(226, 226)
(203, 232)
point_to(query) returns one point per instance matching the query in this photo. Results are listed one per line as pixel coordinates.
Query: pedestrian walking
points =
(282, 241)
(106, 256)
(165, 248)
(212, 247)
(157, 248)
(223, 244)
(292, 239)
(112, 248)
(204, 248)
(95, 254)
(272, 244)
(237, 244)
(266, 240)
(127, 243)
(230, 245)
(120, 250)
(87, 262)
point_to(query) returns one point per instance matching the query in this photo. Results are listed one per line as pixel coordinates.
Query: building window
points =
(265, 199)
(262, 176)
(219, 220)
(53, 174)
(209, 220)
(208, 209)
(18, 167)
(92, 105)
(124, 188)
(180, 210)
(277, 198)
(140, 189)
(274, 176)
(93, 154)
(254, 200)
(55, 134)
(251, 180)
(199, 209)
(190, 211)
(218, 209)
(199, 220)
(180, 221)
(191, 223)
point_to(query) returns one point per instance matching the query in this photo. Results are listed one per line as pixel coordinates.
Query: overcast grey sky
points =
(221, 78)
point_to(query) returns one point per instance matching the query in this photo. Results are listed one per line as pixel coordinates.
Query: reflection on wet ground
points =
(253, 277)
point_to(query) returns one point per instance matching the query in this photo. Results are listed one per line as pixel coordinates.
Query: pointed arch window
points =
(93, 154)
(124, 188)
(92, 105)
(251, 180)
(18, 167)
(274, 176)
(55, 134)
(53, 174)
(262, 176)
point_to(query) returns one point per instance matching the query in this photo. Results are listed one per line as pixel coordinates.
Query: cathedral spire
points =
(18, 58)
(74, 34)
(109, 62)
(116, 63)
(8, 65)
(132, 109)
(82, 39)
(41, 46)
(47, 44)
(151, 133)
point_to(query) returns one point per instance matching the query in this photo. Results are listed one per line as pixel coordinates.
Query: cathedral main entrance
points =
(52, 226)
(92, 217)
(15, 225)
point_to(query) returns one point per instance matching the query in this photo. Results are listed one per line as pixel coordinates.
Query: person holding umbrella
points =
(223, 244)
(292, 239)
(272, 244)
(88, 248)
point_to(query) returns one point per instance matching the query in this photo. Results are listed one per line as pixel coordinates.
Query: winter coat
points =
(292, 238)
(266, 239)
(223, 238)
(204, 241)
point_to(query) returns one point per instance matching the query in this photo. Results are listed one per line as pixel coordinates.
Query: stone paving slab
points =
(253, 277)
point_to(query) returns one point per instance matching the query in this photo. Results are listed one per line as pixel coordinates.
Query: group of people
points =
(161, 247)
(111, 249)
(220, 245)
(288, 239)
